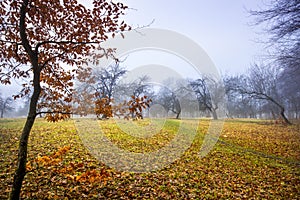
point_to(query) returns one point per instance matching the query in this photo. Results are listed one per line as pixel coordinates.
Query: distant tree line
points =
(260, 93)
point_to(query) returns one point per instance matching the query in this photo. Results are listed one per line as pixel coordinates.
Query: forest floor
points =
(252, 159)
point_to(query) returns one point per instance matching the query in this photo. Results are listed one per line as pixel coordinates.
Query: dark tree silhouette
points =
(209, 93)
(282, 24)
(262, 84)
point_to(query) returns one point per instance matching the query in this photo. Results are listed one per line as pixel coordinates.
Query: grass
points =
(253, 160)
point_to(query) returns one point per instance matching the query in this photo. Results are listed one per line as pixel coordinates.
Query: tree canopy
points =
(43, 37)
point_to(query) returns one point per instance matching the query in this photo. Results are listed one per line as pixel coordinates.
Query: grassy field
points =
(253, 159)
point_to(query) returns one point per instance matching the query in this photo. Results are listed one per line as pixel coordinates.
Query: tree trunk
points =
(214, 113)
(22, 153)
(177, 115)
(273, 115)
(2, 111)
(282, 110)
(22, 159)
(177, 108)
(284, 117)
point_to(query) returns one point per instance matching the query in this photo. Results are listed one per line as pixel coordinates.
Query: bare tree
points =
(209, 93)
(107, 80)
(141, 86)
(5, 105)
(103, 86)
(289, 82)
(281, 19)
(169, 100)
(239, 105)
(106, 96)
(174, 96)
(137, 88)
(262, 84)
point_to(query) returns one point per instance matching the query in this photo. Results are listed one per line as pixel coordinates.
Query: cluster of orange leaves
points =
(89, 176)
(52, 159)
(127, 109)
(103, 107)
(54, 117)
(137, 104)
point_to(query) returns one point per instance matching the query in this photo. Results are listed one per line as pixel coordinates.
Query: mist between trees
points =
(263, 92)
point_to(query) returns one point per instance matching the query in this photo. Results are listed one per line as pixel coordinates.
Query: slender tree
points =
(39, 38)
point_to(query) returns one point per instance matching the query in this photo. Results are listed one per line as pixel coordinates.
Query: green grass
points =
(235, 169)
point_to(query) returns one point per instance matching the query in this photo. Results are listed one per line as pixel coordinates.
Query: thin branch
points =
(142, 27)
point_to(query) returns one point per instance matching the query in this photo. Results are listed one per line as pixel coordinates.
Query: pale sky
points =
(220, 27)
